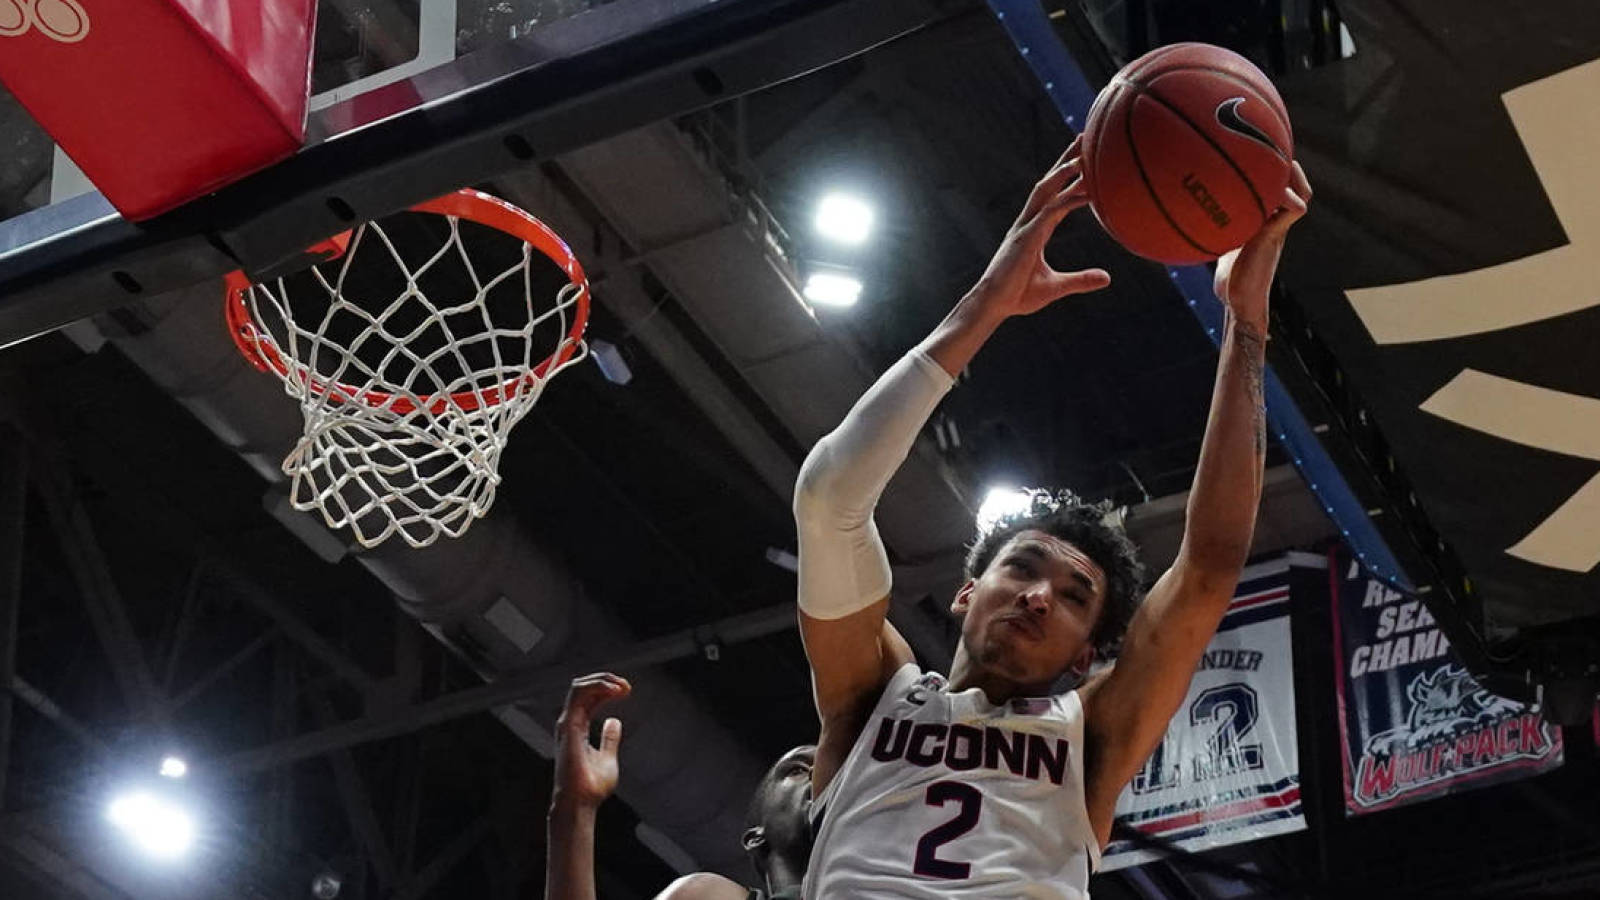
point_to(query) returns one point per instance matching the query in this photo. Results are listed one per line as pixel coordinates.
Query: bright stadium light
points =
(1001, 502)
(173, 767)
(154, 824)
(844, 218)
(832, 289)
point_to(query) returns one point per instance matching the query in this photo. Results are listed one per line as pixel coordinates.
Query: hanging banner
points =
(1229, 768)
(1414, 723)
(1449, 265)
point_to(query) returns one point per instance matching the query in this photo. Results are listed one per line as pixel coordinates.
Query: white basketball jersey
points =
(949, 796)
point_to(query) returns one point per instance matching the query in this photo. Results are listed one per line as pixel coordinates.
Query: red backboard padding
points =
(161, 101)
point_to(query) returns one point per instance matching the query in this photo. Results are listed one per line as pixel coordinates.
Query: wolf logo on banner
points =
(1415, 723)
(1454, 728)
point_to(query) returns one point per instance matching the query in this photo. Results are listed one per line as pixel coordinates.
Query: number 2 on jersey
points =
(928, 861)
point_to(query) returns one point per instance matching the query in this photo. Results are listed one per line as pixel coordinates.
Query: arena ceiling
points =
(165, 602)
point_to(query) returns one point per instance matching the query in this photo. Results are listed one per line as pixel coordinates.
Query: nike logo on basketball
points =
(1228, 117)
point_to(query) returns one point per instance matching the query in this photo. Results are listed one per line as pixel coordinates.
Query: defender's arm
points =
(585, 777)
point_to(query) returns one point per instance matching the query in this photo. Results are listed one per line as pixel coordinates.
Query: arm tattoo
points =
(1252, 346)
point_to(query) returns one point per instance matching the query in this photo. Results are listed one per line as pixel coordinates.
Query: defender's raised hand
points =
(586, 775)
(1019, 281)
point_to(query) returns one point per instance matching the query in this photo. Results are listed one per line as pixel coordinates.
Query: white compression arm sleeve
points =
(843, 565)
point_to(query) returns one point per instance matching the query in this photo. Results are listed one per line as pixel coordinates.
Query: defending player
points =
(988, 785)
(778, 839)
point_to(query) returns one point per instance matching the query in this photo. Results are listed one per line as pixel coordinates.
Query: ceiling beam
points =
(510, 689)
(354, 797)
(448, 858)
(44, 706)
(307, 638)
(408, 804)
(187, 613)
(285, 709)
(217, 559)
(108, 615)
(70, 876)
(221, 670)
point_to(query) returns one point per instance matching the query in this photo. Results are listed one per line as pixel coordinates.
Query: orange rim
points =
(474, 206)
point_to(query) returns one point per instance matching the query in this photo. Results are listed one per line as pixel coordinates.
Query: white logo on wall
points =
(58, 20)
(1556, 119)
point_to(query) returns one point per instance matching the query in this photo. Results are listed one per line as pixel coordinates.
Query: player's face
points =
(783, 800)
(1030, 615)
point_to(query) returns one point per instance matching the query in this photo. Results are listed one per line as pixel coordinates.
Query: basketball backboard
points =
(411, 99)
(361, 45)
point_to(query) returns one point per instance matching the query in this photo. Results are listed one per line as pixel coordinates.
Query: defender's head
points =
(1049, 588)
(779, 818)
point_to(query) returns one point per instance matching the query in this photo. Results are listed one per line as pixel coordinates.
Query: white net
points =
(408, 402)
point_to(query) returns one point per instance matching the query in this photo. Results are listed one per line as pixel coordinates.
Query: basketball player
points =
(778, 839)
(987, 784)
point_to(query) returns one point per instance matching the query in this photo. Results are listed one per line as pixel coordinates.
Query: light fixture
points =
(173, 767)
(832, 289)
(159, 827)
(609, 359)
(843, 218)
(1001, 502)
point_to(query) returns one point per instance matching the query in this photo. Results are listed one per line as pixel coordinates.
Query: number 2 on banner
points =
(1232, 711)
(1233, 708)
(928, 861)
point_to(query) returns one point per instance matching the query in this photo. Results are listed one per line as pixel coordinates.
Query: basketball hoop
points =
(408, 402)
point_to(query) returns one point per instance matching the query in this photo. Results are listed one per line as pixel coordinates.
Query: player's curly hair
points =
(1094, 528)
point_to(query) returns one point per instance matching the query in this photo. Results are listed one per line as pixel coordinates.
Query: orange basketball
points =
(1186, 153)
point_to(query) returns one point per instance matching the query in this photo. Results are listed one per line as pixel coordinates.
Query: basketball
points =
(1186, 152)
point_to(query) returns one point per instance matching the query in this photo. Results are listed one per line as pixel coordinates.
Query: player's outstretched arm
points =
(844, 576)
(844, 571)
(585, 776)
(1129, 708)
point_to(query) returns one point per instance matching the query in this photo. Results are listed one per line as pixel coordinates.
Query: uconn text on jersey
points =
(962, 748)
